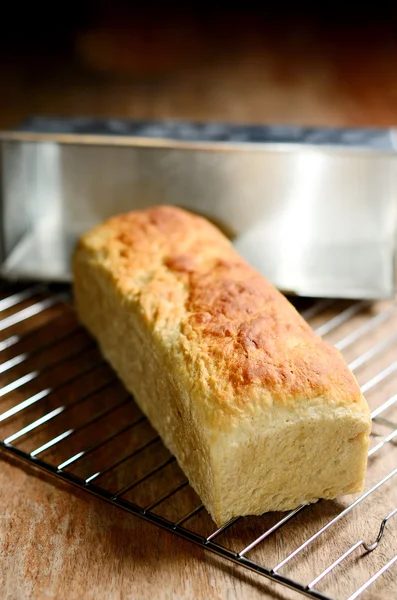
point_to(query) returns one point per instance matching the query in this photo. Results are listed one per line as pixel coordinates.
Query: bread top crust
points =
(237, 339)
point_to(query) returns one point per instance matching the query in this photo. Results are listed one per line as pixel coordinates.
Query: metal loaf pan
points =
(313, 209)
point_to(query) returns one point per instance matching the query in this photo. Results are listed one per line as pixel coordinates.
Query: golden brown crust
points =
(237, 331)
(260, 413)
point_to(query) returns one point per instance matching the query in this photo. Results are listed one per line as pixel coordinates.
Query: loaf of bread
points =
(260, 412)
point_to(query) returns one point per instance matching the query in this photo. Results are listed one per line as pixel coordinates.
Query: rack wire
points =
(63, 410)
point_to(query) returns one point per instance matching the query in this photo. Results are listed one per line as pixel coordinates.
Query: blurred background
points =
(308, 65)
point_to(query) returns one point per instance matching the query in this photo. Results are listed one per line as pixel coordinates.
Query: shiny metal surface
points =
(316, 219)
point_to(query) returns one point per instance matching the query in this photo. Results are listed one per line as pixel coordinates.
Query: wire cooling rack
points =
(63, 410)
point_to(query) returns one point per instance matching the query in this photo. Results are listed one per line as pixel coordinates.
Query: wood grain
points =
(56, 540)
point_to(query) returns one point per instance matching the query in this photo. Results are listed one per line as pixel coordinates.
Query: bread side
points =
(260, 413)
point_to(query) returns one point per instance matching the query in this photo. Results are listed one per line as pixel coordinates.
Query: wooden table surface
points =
(58, 542)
